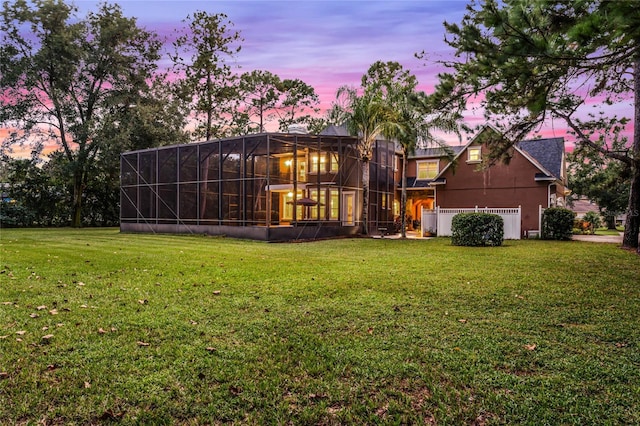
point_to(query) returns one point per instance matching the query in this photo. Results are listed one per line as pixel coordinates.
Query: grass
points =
(605, 231)
(154, 329)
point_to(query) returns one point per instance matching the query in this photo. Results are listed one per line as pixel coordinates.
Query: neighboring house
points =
(271, 186)
(582, 205)
(534, 177)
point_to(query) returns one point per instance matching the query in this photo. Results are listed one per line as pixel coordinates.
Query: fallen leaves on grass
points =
(53, 312)
(34, 315)
(41, 307)
(462, 320)
(141, 343)
(47, 337)
(4, 375)
(20, 332)
(143, 301)
(216, 292)
(101, 330)
(211, 349)
(531, 347)
(380, 412)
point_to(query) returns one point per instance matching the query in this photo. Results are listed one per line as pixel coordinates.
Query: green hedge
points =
(557, 223)
(477, 229)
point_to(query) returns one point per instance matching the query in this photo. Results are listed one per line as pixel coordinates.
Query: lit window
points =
(334, 162)
(334, 206)
(318, 196)
(474, 154)
(318, 163)
(427, 169)
(302, 167)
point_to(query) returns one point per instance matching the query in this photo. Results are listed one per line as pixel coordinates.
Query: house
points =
(533, 179)
(293, 186)
(270, 186)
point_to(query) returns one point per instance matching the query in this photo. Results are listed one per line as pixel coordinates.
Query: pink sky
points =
(327, 43)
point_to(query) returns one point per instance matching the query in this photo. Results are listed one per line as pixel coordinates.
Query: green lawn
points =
(98, 326)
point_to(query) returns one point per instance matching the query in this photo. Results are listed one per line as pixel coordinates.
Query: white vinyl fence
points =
(439, 220)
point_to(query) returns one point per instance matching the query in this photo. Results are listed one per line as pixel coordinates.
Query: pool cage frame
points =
(269, 186)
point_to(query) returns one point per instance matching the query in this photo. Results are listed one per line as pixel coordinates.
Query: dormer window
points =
(474, 154)
(427, 169)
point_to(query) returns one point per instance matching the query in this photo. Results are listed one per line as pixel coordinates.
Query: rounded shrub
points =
(557, 223)
(477, 229)
(593, 219)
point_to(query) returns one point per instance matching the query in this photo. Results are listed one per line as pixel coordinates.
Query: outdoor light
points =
(290, 194)
(287, 163)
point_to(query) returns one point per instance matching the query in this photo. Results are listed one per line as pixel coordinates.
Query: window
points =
(286, 198)
(334, 204)
(474, 154)
(318, 163)
(427, 169)
(334, 162)
(320, 197)
(302, 167)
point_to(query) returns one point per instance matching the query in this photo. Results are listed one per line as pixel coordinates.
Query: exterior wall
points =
(500, 185)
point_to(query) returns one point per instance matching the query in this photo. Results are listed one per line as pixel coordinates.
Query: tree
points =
(531, 61)
(34, 194)
(61, 78)
(414, 118)
(259, 94)
(367, 117)
(600, 179)
(202, 52)
(297, 99)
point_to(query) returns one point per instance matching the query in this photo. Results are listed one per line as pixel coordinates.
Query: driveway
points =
(616, 239)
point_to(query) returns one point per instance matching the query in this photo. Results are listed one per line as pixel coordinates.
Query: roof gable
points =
(547, 155)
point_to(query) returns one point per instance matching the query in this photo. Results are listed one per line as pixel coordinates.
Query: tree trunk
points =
(632, 225)
(403, 197)
(365, 196)
(76, 210)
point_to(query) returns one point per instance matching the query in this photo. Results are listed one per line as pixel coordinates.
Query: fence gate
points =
(440, 220)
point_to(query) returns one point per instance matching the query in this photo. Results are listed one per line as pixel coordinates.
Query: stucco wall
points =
(500, 185)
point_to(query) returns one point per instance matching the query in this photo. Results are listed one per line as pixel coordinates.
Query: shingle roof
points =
(548, 152)
(435, 152)
(334, 130)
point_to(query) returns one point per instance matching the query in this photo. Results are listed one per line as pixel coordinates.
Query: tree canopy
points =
(63, 79)
(532, 61)
(203, 51)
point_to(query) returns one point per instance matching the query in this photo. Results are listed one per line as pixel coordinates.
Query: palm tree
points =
(415, 122)
(368, 116)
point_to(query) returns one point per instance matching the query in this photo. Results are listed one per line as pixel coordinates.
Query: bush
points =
(477, 229)
(557, 223)
(14, 215)
(593, 219)
(580, 227)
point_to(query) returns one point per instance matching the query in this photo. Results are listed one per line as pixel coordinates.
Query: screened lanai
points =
(270, 186)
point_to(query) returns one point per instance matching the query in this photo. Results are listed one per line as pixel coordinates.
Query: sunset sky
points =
(327, 43)
(324, 43)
